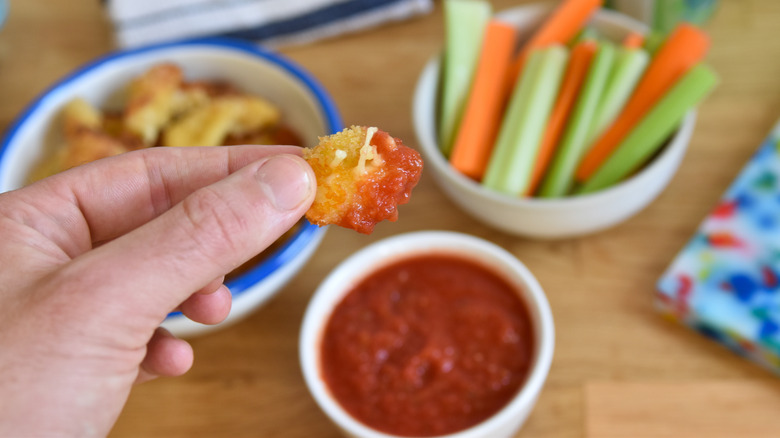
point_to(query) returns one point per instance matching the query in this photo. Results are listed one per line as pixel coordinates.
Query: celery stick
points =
(515, 111)
(628, 68)
(653, 41)
(587, 33)
(560, 177)
(510, 166)
(465, 22)
(651, 132)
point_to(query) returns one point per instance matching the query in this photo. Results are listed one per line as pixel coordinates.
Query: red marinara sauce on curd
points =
(426, 346)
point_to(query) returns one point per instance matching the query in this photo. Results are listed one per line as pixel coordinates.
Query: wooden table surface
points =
(619, 369)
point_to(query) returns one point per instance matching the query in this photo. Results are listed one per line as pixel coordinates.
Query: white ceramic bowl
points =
(546, 218)
(330, 293)
(305, 105)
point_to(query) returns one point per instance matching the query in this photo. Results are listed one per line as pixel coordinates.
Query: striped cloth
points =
(270, 22)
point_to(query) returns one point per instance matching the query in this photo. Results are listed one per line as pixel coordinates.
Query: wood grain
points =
(687, 409)
(617, 363)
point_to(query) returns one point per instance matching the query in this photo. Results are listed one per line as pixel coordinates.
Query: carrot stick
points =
(564, 23)
(633, 40)
(579, 61)
(482, 116)
(684, 48)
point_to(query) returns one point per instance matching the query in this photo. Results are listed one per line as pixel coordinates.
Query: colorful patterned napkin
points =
(726, 282)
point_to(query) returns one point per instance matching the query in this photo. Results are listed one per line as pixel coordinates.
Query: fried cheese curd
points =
(161, 108)
(363, 174)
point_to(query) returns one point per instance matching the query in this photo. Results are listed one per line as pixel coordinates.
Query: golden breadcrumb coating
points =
(79, 114)
(206, 125)
(210, 124)
(90, 145)
(85, 140)
(363, 174)
(151, 100)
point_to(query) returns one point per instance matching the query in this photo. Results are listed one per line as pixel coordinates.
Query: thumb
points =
(151, 270)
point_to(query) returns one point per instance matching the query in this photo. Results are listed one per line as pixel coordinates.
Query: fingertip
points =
(166, 356)
(287, 181)
(210, 308)
(213, 286)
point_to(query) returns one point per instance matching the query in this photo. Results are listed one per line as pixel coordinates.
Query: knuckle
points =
(216, 227)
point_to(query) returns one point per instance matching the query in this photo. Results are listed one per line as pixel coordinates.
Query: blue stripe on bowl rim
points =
(306, 231)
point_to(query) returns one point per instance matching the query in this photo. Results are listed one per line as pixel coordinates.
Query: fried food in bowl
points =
(363, 174)
(95, 111)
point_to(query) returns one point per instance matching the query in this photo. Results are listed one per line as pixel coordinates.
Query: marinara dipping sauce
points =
(429, 345)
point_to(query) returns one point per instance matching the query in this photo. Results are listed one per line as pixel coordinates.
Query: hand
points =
(93, 259)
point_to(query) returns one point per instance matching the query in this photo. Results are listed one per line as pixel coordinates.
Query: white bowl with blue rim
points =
(306, 107)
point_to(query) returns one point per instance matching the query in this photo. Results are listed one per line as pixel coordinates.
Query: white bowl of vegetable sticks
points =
(625, 181)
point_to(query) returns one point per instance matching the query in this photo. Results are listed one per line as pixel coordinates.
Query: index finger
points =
(110, 197)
